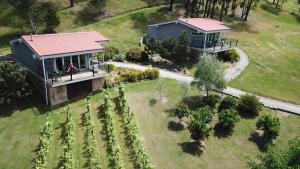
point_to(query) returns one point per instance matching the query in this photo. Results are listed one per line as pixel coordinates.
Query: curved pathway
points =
(230, 74)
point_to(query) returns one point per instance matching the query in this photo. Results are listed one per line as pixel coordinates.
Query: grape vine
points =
(111, 133)
(141, 158)
(43, 149)
(68, 140)
(92, 155)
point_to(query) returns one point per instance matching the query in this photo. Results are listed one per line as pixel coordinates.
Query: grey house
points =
(61, 65)
(205, 33)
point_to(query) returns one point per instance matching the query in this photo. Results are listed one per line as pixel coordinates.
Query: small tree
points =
(203, 113)
(294, 153)
(270, 124)
(210, 101)
(209, 74)
(249, 105)
(167, 48)
(182, 48)
(13, 82)
(274, 158)
(152, 46)
(181, 111)
(228, 119)
(228, 102)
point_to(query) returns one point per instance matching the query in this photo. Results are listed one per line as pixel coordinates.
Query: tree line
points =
(216, 8)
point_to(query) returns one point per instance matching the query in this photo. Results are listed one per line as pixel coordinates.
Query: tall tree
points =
(182, 47)
(171, 5)
(26, 9)
(13, 82)
(209, 74)
(50, 18)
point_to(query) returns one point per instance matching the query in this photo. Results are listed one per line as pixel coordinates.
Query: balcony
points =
(214, 47)
(63, 78)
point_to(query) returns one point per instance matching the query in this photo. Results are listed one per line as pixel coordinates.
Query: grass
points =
(167, 147)
(273, 49)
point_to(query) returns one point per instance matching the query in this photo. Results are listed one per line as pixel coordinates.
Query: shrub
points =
(249, 105)
(134, 55)
(130, 76)
(110, 67)
(110, 52)
(152, 46)
(167, 48)
(120, 58)
(210, 101)
(203, 113)
(234, 55)
(228, 102)
(144, 56)
(228, 119)
(270, 124)
(181, 111)
(151, 73)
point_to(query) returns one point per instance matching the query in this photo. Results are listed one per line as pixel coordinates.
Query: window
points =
(82, 60)
(197, 34)
(75, 61)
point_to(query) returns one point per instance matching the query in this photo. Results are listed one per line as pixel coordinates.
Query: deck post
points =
(45, 82)
(236, 42)
(204, 48)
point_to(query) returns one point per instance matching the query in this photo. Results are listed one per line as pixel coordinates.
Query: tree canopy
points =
(13, 82)
(209, 74)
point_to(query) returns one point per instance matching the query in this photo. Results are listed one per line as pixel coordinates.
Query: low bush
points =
(110, 52)
(120, 58)
(210, 101)
(234, 55)
(228, 119)
(229, 56)
(151, 73)
(181, 111)
(134, 55)
(249, 106)
(144, 56)
(228, 102)
(110, 67)
(270, 124)
(203, 113)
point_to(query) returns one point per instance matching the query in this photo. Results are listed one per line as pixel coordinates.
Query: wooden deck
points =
(77, 77)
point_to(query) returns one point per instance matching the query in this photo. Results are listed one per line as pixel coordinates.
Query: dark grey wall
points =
(22, 53)
(173, 30)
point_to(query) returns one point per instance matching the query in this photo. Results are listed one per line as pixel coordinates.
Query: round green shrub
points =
(228, 119)
(151, 73)
(210, 101)
(228, 102)
(134, 55)
(249, 106)
(110, 52)
(234, 55)
(270, 124)
(203, 113)
(181, 111)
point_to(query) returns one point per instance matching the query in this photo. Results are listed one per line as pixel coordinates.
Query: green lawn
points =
(273, 45)
(167, 148)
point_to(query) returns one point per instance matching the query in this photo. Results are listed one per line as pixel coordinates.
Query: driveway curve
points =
(229, 74)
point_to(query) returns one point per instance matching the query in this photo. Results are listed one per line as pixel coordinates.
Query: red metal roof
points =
(62, 43)
(205, 24)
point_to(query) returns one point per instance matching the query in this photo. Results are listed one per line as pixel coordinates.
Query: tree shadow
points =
(141, 20)
(261, 141)
(34, 102)
(297, 16)
(85, 17)
(241, 26)
(270, 8)
(175, 126)
(190, 148)
(193, 102)
(222, 133)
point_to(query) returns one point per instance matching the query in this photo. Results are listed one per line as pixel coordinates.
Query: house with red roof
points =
(62, 65)
(205, 33)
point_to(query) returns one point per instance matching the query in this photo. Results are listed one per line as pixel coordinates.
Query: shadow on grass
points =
(270, 8)
(175, 126)
(261, 141)
(193, 102)
(222, 133)
(190, 148)
(241, 26)
(297, 16)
